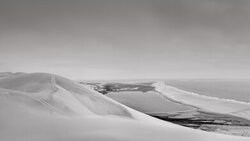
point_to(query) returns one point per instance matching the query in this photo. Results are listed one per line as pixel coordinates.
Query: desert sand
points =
(40, 106)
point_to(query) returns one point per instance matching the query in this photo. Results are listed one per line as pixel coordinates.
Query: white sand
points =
(45, 107)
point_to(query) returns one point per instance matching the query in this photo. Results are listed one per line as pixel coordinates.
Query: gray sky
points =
(118, 39)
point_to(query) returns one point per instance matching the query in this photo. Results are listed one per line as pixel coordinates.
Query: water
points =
(149, 102)
(228, 89)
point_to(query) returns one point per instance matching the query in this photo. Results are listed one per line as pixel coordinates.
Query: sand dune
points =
(39, 106)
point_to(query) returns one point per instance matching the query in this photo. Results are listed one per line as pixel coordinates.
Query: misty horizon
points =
(110, 39)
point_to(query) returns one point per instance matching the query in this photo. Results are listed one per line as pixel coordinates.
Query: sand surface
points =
(39, 106)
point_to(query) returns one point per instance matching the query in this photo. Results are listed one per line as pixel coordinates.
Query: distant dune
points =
(205, 103)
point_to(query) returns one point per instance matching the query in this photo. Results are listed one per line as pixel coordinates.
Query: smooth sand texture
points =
(39, 107)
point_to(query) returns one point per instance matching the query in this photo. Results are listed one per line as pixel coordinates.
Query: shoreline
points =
(211, 122)
(203, 103)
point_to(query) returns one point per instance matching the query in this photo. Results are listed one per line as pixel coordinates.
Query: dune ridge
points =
(40, 106)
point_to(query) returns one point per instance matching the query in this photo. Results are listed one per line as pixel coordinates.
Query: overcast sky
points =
(126, 39)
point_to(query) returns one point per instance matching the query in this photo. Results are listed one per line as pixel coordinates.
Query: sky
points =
(126, 39)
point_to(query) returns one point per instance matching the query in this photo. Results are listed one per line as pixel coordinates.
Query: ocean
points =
(226, 89)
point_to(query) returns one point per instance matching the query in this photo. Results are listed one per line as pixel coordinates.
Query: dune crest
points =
(40, 106)
(55, 94)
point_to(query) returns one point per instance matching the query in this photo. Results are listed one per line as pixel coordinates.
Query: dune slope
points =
(39, 106)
